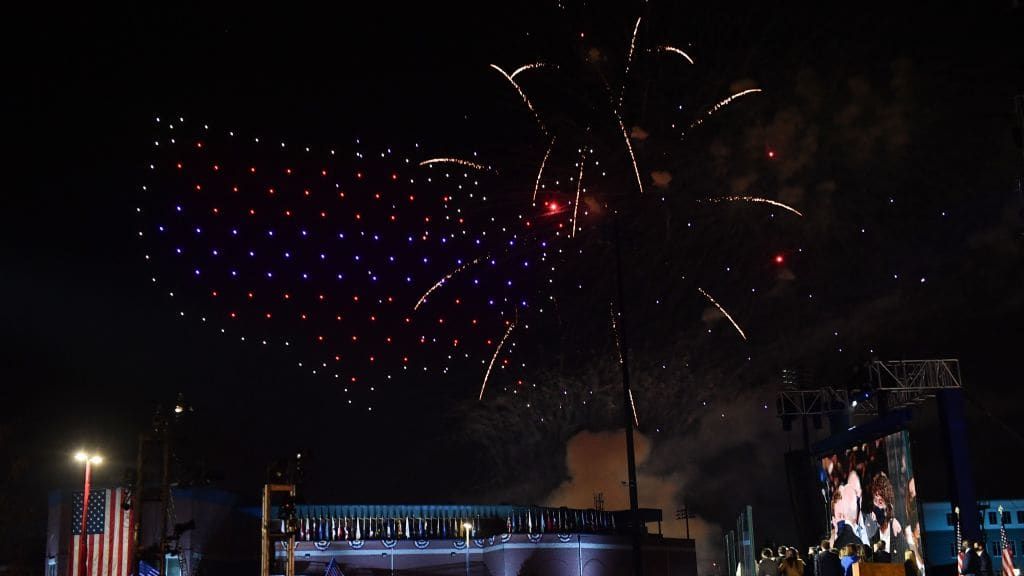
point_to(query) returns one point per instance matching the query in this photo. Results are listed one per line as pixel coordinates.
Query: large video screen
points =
(870, 493)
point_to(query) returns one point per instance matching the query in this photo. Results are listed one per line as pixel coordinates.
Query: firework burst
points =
(600, 146)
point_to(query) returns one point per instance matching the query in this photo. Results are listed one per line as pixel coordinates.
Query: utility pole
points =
(684, 514)
(627, 406)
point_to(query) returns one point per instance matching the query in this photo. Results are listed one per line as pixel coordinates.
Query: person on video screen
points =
(849, 525)
(883, 506)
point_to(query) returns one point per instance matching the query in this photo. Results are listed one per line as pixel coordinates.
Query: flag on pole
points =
(959, 544)
(146, 569)
(108, 528)
(333, 569)
(1004, 545)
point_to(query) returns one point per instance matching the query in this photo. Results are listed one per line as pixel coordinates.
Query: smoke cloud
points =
(709, 470)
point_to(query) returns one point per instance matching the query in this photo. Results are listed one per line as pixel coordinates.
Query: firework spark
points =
(629, 61)
(615, 330)
(458, 162)
(632, 404)
(495, 357)
(632, 157)
(721, 105)
(752, 199)
(540, 172)
(675, 50)
(526, 67)
(722, 310)
(522, 95)
(579, 188)
(442, 281)
(618, 348)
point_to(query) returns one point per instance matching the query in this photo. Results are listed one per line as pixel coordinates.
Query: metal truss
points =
(904, 382)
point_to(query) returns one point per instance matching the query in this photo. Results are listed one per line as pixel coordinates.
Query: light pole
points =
(89, 460)
(467, 527)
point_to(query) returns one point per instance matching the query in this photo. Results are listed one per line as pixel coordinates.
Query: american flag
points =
(333, 569)
(108, 528)
(1004, 544)
(959, 544)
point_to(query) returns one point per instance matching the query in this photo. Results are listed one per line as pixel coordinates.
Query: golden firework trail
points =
(721, 105)
(495, 357)
(629, 147)
(614, 330)
(579, 188)
(526, 67)
(442, 281)
(540, 173)
(752, 199)
(632, 404)
(722, 310)
(629, 60)
(458, 162)
(618, 348)
(522, 95)
(675, 50)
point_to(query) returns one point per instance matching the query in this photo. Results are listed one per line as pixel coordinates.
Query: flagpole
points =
(959, 544)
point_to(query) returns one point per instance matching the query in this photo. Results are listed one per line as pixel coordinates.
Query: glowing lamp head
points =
(83, 456)
(467, 525)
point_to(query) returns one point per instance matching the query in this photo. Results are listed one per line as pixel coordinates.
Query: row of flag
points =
(559, 520)
(325, 527)
(328, 527)
(1006, 551)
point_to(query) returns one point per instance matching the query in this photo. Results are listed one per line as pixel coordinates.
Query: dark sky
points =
(892, 129)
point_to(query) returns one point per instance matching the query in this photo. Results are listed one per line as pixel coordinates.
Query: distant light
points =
(853, 404)
(779, 259)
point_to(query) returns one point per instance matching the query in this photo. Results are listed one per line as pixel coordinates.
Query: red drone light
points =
(779, 259)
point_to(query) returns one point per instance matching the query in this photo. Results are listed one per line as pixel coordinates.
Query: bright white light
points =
(83, 456)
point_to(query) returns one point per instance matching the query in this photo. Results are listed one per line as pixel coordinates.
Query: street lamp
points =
(467, 527)
(89, 460)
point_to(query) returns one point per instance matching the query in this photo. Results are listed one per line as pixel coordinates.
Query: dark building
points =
(213, 535)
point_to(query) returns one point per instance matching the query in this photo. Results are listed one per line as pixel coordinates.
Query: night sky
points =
(891, 130)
